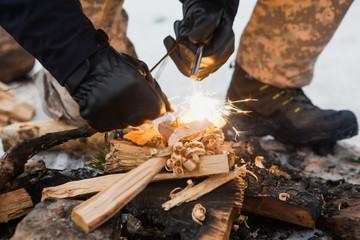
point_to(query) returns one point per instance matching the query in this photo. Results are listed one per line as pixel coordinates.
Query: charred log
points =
(13, 161)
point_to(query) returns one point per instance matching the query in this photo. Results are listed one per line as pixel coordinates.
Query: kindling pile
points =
(170, 150)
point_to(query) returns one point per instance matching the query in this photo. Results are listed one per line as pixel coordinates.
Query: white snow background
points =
(335, 85)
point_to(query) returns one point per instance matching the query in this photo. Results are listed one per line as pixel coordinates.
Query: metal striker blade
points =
(196, 64)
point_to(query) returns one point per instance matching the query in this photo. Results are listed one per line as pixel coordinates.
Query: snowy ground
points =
(336, 83)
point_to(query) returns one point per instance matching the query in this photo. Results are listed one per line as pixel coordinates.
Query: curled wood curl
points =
(198, 213)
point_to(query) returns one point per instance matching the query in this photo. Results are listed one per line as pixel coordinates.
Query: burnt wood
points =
(13, 161)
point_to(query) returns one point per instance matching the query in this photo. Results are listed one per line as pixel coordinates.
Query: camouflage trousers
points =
(283, 39)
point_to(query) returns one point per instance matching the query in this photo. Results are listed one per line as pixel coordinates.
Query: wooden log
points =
(301, 207)
(50, 220)
(18, 132)
(346, 223)
(15, 109)
(178, 222)
(262, 198)
(341, 209)
(13, 161)
(209, 165)
(145, 207)
(142, 218)
(99, 208)
(14, 205)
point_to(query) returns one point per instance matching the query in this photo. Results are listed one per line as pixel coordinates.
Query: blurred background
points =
(336, 82)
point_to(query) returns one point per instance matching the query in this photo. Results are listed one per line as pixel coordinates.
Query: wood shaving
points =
(279, 173)
(190, 165)
(259, 161)
(144, 134)
(173, 192)
(284, 196)
(177, 190)
(242, 219)
(188, 131)
(198, 213)
(213, 139)
(186, 153)
(185, 156)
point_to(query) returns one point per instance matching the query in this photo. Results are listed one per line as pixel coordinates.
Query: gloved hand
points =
(115, 90)
(207, 23)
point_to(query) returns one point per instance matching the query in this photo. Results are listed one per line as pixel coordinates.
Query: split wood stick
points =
(204, 187)
(209, 165)
(101, 207)
(14, 204)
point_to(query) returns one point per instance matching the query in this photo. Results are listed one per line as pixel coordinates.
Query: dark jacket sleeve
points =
(56, 32)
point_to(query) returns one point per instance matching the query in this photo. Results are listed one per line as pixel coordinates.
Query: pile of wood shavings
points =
(187, 145)
(186, 152)
(186, 142)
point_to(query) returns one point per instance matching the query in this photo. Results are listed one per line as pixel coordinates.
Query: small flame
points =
(202, 107)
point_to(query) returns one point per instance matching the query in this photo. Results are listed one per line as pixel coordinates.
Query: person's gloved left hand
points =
(207, 23)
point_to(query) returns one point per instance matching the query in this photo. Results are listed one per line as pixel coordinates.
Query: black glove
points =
(115, 90)
(207, 23)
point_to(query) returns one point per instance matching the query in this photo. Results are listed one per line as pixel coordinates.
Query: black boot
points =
(286, 114)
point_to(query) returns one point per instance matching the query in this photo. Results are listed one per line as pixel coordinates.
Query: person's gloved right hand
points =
(207, 23)
(115, 90)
